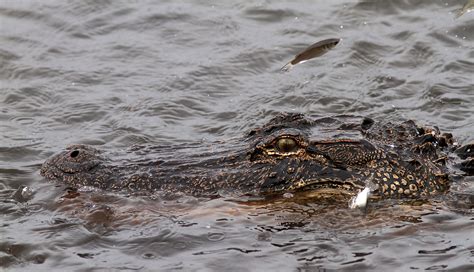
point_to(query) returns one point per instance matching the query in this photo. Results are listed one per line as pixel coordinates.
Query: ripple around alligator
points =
(117, 74)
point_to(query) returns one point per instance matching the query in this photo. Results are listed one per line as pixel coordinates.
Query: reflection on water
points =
(118, 74)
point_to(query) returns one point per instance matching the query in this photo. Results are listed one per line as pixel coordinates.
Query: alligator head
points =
(289, 153)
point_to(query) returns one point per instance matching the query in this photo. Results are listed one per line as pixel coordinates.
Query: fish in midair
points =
(468, 7)
(318, 49)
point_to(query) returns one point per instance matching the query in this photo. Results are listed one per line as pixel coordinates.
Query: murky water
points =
(115, 74)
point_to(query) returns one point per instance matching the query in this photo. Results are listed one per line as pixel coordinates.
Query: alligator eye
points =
(286, 145)
(74, 153)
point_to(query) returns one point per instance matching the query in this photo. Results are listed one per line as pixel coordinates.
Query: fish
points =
(468, 7)
(318, 49)
(360, 200)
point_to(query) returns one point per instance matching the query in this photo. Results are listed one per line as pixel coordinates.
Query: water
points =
(115, 74)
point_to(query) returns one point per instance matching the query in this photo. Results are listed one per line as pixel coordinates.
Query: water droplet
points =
(336, 258)
(288, 195)
(26, 192)
(148, 256)
(215, 236)
(265, 236)
(179, 245)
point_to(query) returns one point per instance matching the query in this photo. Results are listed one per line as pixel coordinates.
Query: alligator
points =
(290, 153)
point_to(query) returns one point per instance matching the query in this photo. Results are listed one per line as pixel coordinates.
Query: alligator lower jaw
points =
(347, 187)
(335, 191)
(329, 192)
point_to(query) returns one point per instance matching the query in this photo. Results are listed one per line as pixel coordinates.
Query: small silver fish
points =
(318, 49)
(362, 198)
(468, 7)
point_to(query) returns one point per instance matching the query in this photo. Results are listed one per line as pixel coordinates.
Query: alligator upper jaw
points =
(48, 168)
(327, 186)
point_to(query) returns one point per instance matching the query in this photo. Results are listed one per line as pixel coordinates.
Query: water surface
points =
(115, 74)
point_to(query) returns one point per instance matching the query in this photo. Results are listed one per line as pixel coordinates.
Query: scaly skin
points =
(289, 153)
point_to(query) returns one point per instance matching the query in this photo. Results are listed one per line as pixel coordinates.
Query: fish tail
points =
(287, 67)
(459, 13)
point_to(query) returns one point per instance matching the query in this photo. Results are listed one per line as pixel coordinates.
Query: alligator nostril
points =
(367, 123)
(74, 153)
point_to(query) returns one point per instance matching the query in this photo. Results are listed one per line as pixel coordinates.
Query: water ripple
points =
(172, 73)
